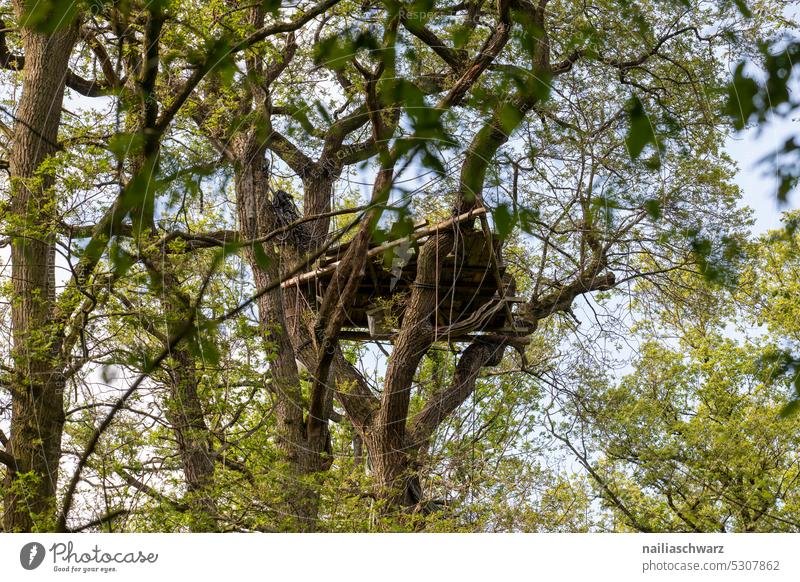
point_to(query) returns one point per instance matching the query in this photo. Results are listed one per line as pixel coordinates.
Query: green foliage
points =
(641, 130)
(697, 435)
(48, 16)
(752, 101)
(718, 265)
(125, 145)
(503, 220)
(24, 487)
(696, 442)
(336, 51)
(260, 256)
(775, 296)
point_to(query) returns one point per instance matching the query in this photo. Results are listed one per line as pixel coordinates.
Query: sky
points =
(757, 180)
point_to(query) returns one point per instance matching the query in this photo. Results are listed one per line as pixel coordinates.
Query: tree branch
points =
(440, 406)
(150, 492)
(13, 62)
(11, 462)
(202, 70)
(111, 515)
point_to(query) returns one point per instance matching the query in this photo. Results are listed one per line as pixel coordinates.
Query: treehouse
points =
(474, 294)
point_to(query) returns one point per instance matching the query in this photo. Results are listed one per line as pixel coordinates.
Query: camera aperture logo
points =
(94, 560)
(31, 555)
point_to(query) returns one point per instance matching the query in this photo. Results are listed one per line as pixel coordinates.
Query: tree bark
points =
(303, 457)
(185, 413)
(386, 440)
(37, 402)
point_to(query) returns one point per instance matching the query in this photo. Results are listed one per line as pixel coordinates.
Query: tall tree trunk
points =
(394, 443)
(304, 458)
(186, 416)
(185, 413)
(317, 196)
(37, 410)
(396, 477)
(387, 439)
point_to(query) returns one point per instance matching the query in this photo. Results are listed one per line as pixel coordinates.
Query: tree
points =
(37, 381)
(691, 441)
(581, 137)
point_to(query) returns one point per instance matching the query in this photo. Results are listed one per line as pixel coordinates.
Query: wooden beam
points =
(355, 335)
(388, 245)
(358, 335)
(338, 250)
(501, 288)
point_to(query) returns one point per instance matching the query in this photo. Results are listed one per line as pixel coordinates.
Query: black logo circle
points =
(31, 555)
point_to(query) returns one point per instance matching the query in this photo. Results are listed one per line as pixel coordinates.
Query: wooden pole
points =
(388, 245)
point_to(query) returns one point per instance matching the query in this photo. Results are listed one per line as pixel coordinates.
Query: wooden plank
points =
(358, 335)
(386, 246)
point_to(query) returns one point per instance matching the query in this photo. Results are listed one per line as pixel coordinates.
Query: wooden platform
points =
(470, 290)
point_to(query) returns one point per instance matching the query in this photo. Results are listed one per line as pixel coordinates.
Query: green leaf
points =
(603, 208)
(790, 409)
(48, 16)
(653, 208)
(640, 129)
(742, 96)
(260, 256)
(219, 60)
(334, 52)
(425, 120)
(743, 8)
(432, 161)
(202, 345)
(123, 145)
(403, 226)
(503, 220)
(528, 218)
(510, 117)
(271, 6)
(461, 36)
(138, 199)
(121, 260)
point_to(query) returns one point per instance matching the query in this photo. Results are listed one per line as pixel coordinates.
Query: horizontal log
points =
(356, 335)
(388, 245)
